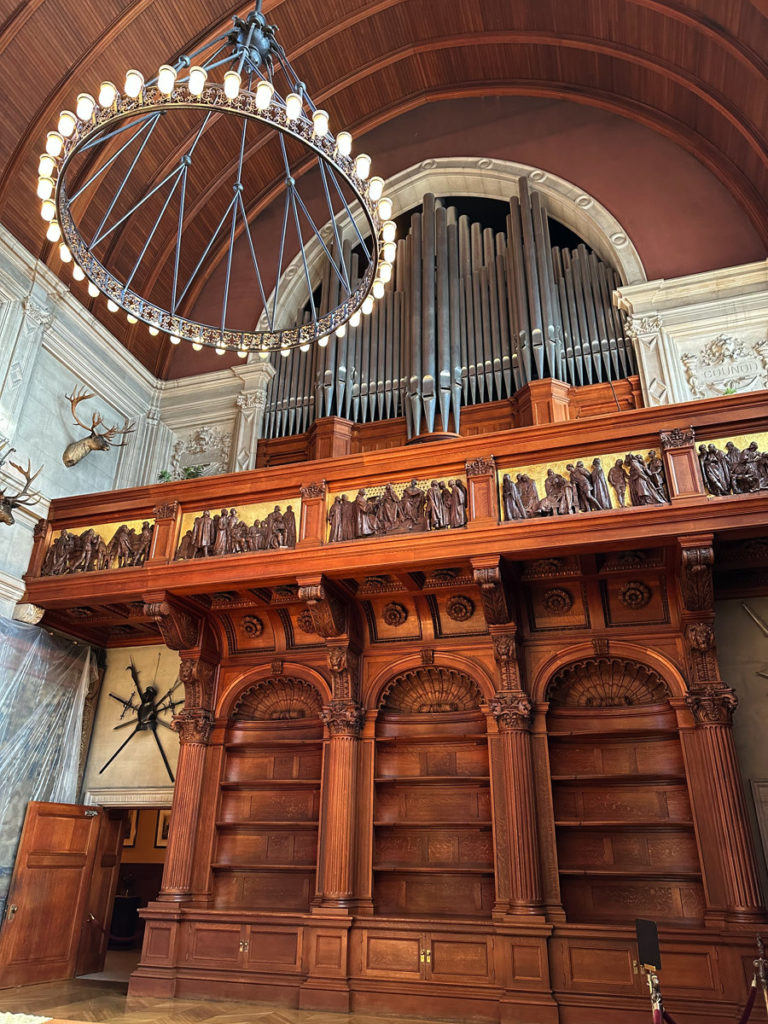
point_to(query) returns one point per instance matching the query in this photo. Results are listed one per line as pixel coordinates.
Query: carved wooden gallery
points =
(440, 750)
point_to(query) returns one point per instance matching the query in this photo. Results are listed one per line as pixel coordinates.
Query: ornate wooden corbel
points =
(344, 666)
(698, 558)
(181, 629)
(329, 612)
(488, 577)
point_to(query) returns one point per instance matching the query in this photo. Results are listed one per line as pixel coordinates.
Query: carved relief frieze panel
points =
(261, 526)
(551, 568)
(637, 599)
(734, 465)
(99, 547)
(726, 364)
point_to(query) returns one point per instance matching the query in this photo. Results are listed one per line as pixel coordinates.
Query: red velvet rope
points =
(746, 1014)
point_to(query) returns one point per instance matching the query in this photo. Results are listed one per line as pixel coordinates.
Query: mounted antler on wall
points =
(76, 451)
(9, 502)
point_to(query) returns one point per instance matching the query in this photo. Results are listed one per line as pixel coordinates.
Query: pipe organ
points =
(469, 316)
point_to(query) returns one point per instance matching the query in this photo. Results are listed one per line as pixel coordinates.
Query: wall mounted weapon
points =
(94, 442)
(9, 502)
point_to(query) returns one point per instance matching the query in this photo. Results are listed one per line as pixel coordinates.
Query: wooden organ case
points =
(441, 775)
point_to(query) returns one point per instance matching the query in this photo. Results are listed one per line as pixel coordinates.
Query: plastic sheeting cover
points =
(43, 683)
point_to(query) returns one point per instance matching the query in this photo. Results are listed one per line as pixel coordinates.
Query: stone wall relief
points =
(207, 447)
(591, 484)
(727, 364)
(259, 527)
(389, 509)
(736, 465)
(109, 546)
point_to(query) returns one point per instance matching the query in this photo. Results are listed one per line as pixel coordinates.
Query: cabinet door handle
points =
(422, 957)
(12, 911)
(428, 954)
(243, 945)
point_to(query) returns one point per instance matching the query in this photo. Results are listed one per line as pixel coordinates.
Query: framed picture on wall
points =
(163, 821)
(131, 824)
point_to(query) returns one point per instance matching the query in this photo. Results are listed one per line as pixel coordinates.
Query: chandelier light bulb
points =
(112, 306)
(320, 123)
(385, 208)
(367, 306)
(65, 255)
(264, 354)
(154, 331)
(375, 189)
(93, 291)
(354, 320)
(389, 252)
(67, 122)
(388, 231)
(48, 210)
(166, 79)
(323, 342)
(85, 106)
(134, 83)
(47, 166)
(285, 352)
(232, 85)
(197, 346)
(174, 339)
(45, 188)
(362, 166)
(131, 318)
(107, 94)
(293, 106)
(242, 353)
(53, 234)
(385, 272)
(78, 273)
(378, 289)
(341, 331)
(54, 143)
(303, 348)
(344, 143)
(197, 78)
(264, 93)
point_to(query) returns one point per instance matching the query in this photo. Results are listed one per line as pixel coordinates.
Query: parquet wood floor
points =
(107, 1003)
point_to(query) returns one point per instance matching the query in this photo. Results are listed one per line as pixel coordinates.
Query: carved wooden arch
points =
(377, 688)
(606, 681)
(277, 699)
(254, 678)
(431, 689)
(665, 669)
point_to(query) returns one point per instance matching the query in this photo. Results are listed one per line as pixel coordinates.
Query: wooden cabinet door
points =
(214, 945)
(394, 955)
(460, 958)
(46, 906)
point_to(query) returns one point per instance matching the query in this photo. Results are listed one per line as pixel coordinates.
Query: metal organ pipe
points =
(468, 315)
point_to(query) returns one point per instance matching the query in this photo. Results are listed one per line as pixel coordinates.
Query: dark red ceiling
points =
(693, 71)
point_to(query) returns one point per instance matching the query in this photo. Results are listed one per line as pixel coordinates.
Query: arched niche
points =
(490, 179)
(625, 838)
(271, 683)
(384, 681)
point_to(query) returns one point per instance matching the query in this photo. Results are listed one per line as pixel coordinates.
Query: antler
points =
(78, 396)
(110, 432)
(22, 498)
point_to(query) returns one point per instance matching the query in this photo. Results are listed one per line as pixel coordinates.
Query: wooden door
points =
(49, 891)
(101, 895)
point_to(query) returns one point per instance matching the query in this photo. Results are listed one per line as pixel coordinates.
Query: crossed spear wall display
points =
(147, 713)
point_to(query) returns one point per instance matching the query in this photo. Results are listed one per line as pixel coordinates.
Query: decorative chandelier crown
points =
(101, 159)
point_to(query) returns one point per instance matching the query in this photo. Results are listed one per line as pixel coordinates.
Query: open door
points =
(48, 899)
(98, 910)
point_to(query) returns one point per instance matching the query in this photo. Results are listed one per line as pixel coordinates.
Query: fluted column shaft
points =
(336, 862)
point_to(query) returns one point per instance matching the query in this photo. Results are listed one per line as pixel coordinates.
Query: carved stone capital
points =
(344, 666)
(511, 709)
(638, 325)
(343, 717)
(328, 611)
(167, 511)
(493, 595)
(180, 630)
(314, 490)
(696, 578)
(483, 466)
(197, 677)
(677, 438)
(712, 705)
(248, 401)
(193, 725)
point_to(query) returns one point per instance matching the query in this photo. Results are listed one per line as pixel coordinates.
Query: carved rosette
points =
(481, 467)
(344, 666)
(460, 608)
(696, 578)
(512, 711)
(314, 490)
(635, 594)
(193, 726)
(180, 629)
(167, 511)
(677, 438)
(343, 718)
(713, 705)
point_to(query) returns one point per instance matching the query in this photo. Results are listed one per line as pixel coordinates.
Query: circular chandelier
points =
(100, 160)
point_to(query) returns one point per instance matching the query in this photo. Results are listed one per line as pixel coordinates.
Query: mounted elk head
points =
(9, 502)
(95, 442)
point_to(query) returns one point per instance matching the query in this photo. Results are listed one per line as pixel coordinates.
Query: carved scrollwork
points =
(511, 709)
(492, 594)
(167, 511)
(343, 717)
(712, 705)
(483, 466)
(314, 490)
(180, 630)
(193, 725)
(696, 580)
(677, 438)
(329, 614)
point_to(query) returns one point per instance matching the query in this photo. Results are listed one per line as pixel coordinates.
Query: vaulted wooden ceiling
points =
(692, 70)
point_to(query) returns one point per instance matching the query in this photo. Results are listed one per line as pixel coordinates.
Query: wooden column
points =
(312, 528)
(164, 534)
(336, 867)
(483, 491)
(542, 401)
(519, 855)
(681, 464)
(330, 438)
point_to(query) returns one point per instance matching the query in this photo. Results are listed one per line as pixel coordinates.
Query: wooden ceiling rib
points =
(691, 70)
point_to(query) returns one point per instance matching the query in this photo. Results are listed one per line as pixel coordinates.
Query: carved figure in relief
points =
(715, 469)
(221, 525)
(228, 534)
(275, 532)
(365, 519)
(88, 552)
(435, 511)
(642, 490)
(186, 548)
(655, 468)
(733, 471)
(336, 521)
(511, 500)
(458, 506)
(389, 513)
(732, 454)
(559, 493)
(119, 548)
(289, 518)
(529, 494)
(141, 544)
(600, 485)
(618, 478)
(412, 503)
(347, 518)
(581, 482)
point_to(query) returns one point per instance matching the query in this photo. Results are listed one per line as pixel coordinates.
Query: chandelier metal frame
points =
(251, 48)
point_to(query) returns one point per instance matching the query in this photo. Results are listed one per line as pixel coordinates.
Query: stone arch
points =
(431, 689)
(606, 682)
(490, 179)
(266, 695)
